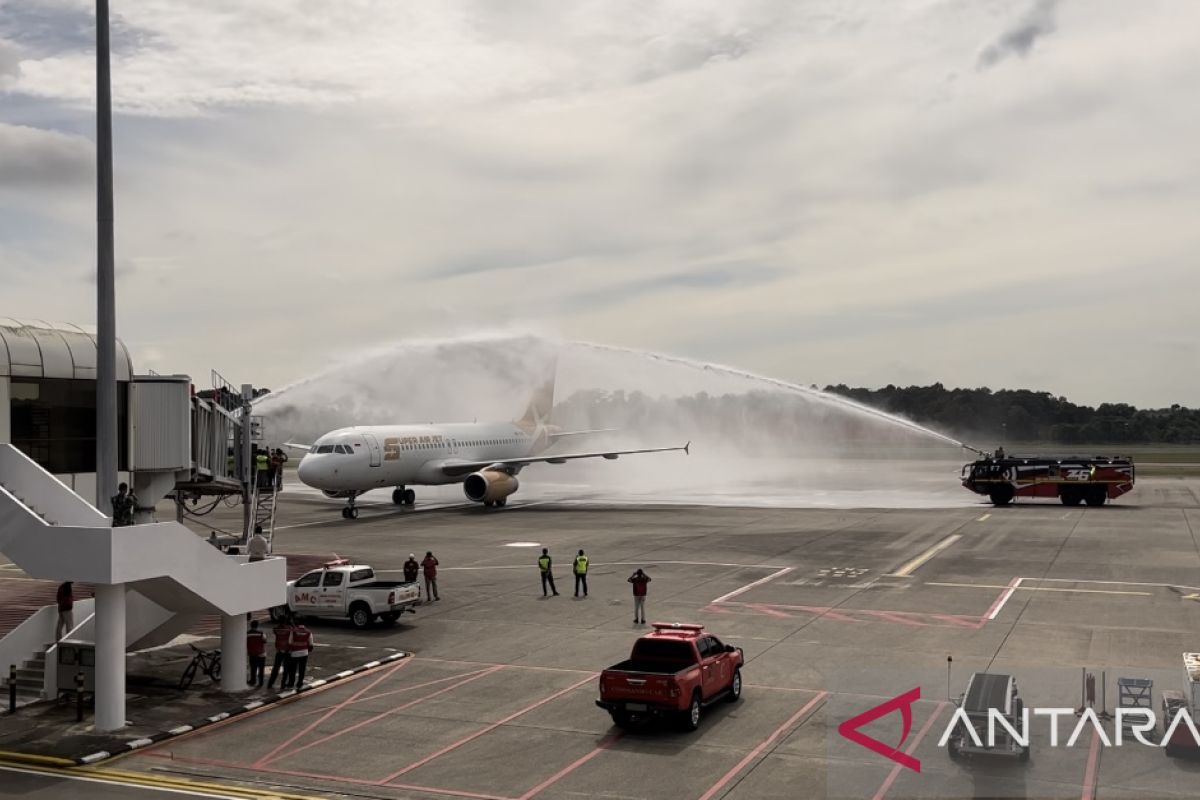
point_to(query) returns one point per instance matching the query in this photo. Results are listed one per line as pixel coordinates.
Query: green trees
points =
(1022, 415)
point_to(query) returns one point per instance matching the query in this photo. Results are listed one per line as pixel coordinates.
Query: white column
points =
(110, 657)
(233, 653)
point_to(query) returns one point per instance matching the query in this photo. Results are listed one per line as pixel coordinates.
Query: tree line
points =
(1020, 415)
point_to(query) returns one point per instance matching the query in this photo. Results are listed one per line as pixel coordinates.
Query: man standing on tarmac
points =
(283, 643)
(639, 580)
(580, 569)
(297, 662)
(411, 568)
(546, 564)
(256, 649)
(430, 565)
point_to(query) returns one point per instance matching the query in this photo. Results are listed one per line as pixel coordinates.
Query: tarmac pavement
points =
(836, 610)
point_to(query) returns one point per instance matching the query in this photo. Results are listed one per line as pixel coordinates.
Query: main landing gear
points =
(351, 510)
(404, 497)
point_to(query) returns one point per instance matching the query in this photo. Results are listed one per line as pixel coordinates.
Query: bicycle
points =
(207, 661)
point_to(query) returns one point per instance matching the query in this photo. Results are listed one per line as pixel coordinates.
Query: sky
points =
(976, 192)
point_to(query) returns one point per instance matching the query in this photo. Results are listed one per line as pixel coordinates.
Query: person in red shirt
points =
(429, 566)
(302, 645)
(66, 611)
(639, 580)
(283, 643)
(256, 650)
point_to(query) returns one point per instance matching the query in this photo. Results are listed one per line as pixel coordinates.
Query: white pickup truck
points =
(341, 589)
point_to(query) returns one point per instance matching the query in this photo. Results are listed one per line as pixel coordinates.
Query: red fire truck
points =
(1072, 479)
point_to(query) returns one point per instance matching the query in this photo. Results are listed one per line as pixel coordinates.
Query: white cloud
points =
(35, 157)
(822, 191)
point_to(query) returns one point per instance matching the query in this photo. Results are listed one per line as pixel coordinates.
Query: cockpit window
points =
(343, 449)
(325, 448)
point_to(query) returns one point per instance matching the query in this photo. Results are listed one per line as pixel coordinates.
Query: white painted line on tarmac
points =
(916, 563)
(1118, 583)
(984, 517)
(1002, 599)
(610, 564)
(750, 586)
(1037, 588)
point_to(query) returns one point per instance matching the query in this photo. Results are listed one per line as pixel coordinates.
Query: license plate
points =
(635, 706)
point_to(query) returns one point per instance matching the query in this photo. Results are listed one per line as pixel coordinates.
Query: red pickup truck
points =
(675, 671)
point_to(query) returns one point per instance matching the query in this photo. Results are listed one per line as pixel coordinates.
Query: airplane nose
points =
(304, 470)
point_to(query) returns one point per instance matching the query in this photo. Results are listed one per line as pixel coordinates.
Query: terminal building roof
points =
(31, 348)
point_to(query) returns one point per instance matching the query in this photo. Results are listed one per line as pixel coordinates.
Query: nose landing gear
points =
(351, 510)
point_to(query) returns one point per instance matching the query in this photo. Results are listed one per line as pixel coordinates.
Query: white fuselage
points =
(369, 457)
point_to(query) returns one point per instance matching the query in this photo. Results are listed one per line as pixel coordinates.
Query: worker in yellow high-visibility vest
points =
(580, 569)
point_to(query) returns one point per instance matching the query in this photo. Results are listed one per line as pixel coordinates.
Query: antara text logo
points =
(997, 730)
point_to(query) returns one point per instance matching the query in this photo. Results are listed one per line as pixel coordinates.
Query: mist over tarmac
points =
(755, 441)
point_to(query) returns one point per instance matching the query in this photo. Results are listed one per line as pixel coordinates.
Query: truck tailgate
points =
(637, 686)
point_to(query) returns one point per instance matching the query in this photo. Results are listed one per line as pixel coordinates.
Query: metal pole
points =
(110, 657)
(106, 315)
(12, 688)
(248, 476)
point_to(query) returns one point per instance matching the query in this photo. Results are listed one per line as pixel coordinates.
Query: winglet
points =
(687, 448)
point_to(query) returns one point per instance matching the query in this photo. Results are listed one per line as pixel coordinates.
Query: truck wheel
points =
(1096, 496)
(1069, 496)
(735, 687)
(360, 616)
(278, 613)
(621, 719)
(691, 717)
(1001, 495)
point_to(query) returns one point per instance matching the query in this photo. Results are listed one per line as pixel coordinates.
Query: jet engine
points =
(489, 486)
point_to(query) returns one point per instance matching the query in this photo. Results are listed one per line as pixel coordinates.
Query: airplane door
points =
(373, 448)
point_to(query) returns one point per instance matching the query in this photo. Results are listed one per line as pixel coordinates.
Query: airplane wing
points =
(564, 434)
(456, 468)
(296, 446)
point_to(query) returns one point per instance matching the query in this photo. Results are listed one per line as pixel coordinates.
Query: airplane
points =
(484, 457)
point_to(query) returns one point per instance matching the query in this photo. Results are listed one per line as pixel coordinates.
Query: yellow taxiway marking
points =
(1193, 596)
(1036, 588)
(912, 566)
(142, 780)
(984, 517)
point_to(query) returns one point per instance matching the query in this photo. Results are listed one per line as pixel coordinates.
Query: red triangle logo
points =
(903, 704)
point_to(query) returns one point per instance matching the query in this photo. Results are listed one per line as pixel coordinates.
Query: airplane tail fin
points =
(537, 414)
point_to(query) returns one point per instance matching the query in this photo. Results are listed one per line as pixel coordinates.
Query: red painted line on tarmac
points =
(487, 729)
(567, 770)
(320, 776)
(506, 666)
(282, 720)
(474, 677)
(891, 778)
(899, 617)
(763, 745)
(770, 612)
(1093, 762)
(333, 710)
(962, 621)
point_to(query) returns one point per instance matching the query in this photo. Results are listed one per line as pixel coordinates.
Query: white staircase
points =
(172, 575)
